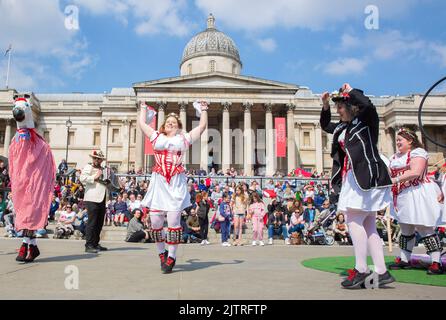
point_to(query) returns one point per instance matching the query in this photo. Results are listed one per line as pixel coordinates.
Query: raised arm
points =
(196, 132)
(325, 118)
(148, 130)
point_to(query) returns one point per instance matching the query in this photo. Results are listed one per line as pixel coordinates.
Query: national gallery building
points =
(244, 114)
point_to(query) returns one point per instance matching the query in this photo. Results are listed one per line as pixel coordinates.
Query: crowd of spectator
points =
(285, 206)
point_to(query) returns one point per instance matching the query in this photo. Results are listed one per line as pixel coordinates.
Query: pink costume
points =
(258, 212)
(32, 170)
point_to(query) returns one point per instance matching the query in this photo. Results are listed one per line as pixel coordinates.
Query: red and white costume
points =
(32, 170)
(167, 194)
(168, 184)
(415, 202)
(416, 208)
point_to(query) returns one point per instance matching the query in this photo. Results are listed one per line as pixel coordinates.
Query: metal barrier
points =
(262, 181)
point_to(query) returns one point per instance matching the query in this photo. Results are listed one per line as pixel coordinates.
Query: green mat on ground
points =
(340, 265)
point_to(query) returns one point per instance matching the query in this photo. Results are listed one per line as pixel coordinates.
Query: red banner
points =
(280, 125)
(148, 148)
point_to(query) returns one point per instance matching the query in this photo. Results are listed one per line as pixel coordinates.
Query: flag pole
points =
(9, 66)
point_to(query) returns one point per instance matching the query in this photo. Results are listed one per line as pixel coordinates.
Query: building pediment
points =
(215, 80)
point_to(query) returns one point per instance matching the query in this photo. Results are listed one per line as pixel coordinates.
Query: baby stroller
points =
(317, 232)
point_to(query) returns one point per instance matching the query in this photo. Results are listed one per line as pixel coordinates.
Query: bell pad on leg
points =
(157, 235)
(432, 243)
(404, 242)
(174, 235)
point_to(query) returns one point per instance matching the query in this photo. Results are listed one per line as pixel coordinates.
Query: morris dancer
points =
(167, 193)
(417, 202)
(361, 177)
(33, 171)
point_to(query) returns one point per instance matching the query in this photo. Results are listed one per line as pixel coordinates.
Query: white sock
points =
(173, 250)
(26, 240)
(435, 256)
(33, 241)
(161, 246)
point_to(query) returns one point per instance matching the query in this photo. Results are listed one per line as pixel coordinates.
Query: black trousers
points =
(137, 236)
(96, 214)
(204, 228)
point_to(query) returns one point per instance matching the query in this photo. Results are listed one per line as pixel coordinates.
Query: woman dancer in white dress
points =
(360, 177)
(167, 193)
(417, 201)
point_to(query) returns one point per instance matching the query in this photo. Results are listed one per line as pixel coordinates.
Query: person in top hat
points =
(360, 177)
(94, 199)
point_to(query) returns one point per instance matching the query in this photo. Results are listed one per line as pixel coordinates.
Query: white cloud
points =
(36, 30)
(27, 75)
(439, 53)
(393, 44)
(344, 66)
(349, 42)
(267, 45)
(255, 15)
(149, 16)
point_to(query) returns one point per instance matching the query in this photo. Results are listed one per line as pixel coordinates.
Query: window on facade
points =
(46, 136)
(234, 68)
(212, 65)
(324, 142)
(307, 142)
(134, 135)
(114, 165)
(189, 68)
(96, 138)
(115, 135)
(2, 137)
(71, 138)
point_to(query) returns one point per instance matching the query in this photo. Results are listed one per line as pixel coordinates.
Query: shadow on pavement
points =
(194, 264)
(69, 258)
(127, 249)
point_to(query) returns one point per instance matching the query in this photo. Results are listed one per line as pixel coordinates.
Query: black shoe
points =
(101, 248)
(168, 266)
(163, 258)
(355, 279)
(383, 279)
(435, 269)
(400, 264)
(91, 250)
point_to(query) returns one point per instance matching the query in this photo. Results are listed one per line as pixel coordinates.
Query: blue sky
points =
(317, 43)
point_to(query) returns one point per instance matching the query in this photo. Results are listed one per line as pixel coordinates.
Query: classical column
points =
(269, 140)
(248, 151)
(161, 111)
(389, 142)
(290, 137)
(319, 148)
(204, 149)
(139, 157)
(418, 133)
(104, 135)
(297, 130)
(183, 118)
(226, 148)
(7, 138)
(125, 144)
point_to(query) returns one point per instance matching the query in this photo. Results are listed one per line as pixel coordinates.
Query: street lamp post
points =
(68, 124)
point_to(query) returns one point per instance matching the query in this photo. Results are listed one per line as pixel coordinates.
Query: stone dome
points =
(211, 42)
